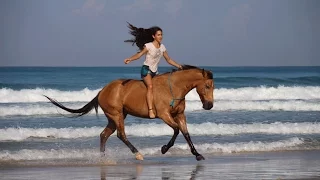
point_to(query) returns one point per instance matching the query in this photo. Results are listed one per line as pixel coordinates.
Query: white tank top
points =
(153, 56)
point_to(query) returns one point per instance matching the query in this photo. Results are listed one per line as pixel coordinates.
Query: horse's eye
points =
(207, 86)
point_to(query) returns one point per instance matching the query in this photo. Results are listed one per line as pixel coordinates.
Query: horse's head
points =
(200, 79)
(205, 88)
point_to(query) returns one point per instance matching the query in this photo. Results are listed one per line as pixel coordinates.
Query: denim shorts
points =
(145, 71)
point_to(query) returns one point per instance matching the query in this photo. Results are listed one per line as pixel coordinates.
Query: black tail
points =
(79, 112)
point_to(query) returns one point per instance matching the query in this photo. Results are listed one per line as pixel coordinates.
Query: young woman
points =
(149, 43)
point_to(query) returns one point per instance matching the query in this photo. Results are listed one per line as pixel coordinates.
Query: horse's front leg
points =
(168, 119)
(181, 121)
(165, 148)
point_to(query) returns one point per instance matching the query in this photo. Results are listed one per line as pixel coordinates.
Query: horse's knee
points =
(176, 130)
(121, 136)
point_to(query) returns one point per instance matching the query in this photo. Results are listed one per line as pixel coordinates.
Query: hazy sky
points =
(197, 32)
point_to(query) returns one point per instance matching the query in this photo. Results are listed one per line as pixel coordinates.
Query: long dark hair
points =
(141, 35)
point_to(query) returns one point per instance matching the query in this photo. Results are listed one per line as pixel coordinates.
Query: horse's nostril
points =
(207, 105)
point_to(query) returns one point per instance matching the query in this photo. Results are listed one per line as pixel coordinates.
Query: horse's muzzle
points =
(207, 105)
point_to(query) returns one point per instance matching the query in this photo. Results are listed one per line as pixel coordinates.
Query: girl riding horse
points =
(149, 43)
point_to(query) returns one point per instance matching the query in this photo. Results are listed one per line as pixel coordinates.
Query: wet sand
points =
(266, 165)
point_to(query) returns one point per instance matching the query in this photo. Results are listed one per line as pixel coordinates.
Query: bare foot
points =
(151, 114)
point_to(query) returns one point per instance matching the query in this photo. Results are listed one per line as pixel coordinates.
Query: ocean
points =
(256, 109)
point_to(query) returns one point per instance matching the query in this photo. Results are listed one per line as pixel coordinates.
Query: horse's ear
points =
(207, 74)
(210, 75)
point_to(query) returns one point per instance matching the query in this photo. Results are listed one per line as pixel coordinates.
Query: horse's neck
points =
(183, 83)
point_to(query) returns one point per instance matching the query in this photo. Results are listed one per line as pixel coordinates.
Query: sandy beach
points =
(266, 165)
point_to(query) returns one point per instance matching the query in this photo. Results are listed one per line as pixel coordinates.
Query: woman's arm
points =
(136, 56)
(170, 61)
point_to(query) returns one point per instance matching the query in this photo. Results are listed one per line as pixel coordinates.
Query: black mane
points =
(187, 67)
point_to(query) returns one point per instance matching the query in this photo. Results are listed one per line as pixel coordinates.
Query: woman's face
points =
(158, 36)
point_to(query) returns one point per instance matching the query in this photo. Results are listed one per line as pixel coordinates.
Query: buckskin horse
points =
(127, 96)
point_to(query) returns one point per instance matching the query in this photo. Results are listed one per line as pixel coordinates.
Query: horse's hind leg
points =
(104, 135)
(122, 136)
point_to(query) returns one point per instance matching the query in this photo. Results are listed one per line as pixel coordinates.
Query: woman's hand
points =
(127, 61)
(136, 56)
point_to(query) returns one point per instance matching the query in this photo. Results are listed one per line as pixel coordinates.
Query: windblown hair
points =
(141, 35)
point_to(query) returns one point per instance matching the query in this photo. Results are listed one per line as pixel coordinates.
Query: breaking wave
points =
(153, 129)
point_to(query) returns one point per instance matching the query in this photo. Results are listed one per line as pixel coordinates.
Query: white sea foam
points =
(246, 93)
(35, 154)
(36, 95)
(37, 109)
(273, 105)
(269, 93)
(252, 146)
(27, 102)
(152, 129)
(93, 154)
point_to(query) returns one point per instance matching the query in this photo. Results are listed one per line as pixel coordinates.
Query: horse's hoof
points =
(164, 149)
(139, 156)
(102, 154)
(199, 157)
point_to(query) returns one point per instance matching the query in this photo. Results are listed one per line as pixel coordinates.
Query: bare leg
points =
(104, 135)
(183, 128)
(148, 81)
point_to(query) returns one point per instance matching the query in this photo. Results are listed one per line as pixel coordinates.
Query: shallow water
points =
(275, 165)
(256, 109)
